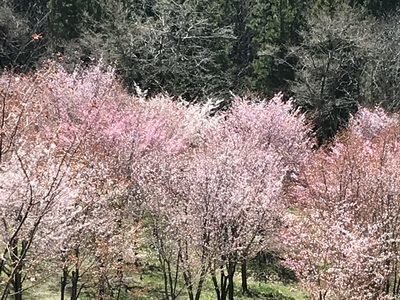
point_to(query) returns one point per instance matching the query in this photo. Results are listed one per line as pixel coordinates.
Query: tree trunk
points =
(165, 276)
(216, 287)
(224, 289)
(17, 280)
(75, 278)
(395, 279)
(245, 289)
(74, 283)
(17, 283)
(102, 283)
(322, 295)
(201, 281)
(120, 275)
(63, 282)
(15, 276)
(188, 283)
(171, 281)
(231, 274)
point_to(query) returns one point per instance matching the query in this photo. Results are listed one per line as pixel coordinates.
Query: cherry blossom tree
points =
(345, 228)
(167, 131)
(92, 104)
(64, 144)
(218, 202)
(122, 135)
(34, 175)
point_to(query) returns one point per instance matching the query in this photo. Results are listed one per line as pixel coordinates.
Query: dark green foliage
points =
(380, 8)
(162, 47)
(66, 18)
(382, 77)
(276, 25)
(34, 11)
(18, 49)
(332, 59)
(242, 49)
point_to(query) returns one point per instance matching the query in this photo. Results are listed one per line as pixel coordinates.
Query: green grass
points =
(48, 290)
(150, 287)
(258, 290)
(148, 284)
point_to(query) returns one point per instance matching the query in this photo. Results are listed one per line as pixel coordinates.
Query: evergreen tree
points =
(331, 70)
(276, 25)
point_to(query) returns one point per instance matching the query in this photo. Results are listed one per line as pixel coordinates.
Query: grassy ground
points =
(48, 290)
(149, 286)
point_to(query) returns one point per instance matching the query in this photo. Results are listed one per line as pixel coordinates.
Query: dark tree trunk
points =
(75, 278)
(223, 285)
(63, 282)
(231, 274)
(74, 284)
(245, 289)
(201, 281)
(18, 284)
(216, 287)
(165, 277)
(225, 290)
(187, 278)
(322, 295)
(170, 280)
(395, 279)
(17, 280)
(220, 289)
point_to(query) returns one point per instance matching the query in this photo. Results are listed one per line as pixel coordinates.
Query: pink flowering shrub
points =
(372, 123)
(274, 126)
(218, 202)
(345, 228)
(56, 162)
